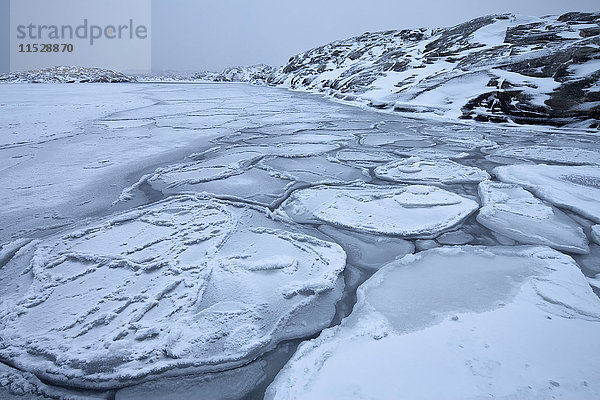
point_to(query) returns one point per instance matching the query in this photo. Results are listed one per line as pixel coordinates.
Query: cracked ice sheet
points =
(408, 211)
(313, 137)
(187, 285)
(416, 333)
(435, 171)
(562, 155)
(514, 212)
(576, 188)
(314, 170)
(254, 185)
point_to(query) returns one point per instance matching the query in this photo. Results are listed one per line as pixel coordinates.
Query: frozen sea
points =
(228, 241)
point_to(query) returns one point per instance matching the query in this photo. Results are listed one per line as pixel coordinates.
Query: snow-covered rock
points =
(531, 70)
(576, 188)
(187, 285)
(434, 171)
(170, 76)
(458, 323)
(67, 75)
(256, 74)
(514, 212)
(410, 211)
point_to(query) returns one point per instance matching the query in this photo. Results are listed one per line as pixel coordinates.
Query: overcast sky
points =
(192, 35)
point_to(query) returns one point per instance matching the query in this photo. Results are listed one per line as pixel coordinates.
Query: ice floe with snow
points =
(455, 238)
(539, 153)
(408, 211)
(514, 212)
(432, 153)
(436, 171)
(223, 165)
(596, 233)
(576, 188)
(364, 159)
(479, 322)
(314, 170)
(187, 285)
(395, 139)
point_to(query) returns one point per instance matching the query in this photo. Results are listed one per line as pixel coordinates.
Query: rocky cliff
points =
(494, 68)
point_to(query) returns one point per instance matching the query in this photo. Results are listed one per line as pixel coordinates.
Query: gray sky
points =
(192, 35)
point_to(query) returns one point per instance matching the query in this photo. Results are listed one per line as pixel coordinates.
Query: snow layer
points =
(416, 333)
(409, 211)
(576, 188)
(514, 212)
(184, 286)
(436, 171)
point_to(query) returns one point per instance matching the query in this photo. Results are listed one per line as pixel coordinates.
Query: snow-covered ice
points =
(596, 233)
(314, 170)
(417, 333)
(168, 239)
(232, 181)
(433, 153)
(576, 188)
(514, 212)
(435, 171)
(538, 153)
(410, 211)
(186, 285)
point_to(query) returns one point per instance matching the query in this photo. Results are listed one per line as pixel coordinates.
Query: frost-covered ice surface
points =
(186, 284)
(435, 171)
(173, 241)
(559, 155)
(576, 188)
(417, 332)
(596, 233)
(409, 211)
(516, 213)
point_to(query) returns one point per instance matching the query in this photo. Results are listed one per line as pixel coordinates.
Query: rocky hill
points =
(494, 68)
(67, 75)
(258, 74)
